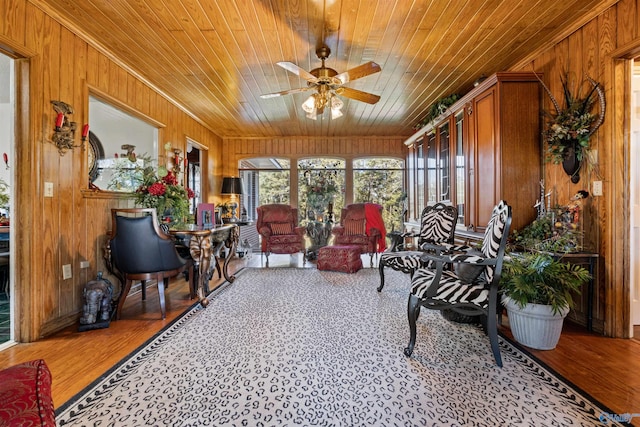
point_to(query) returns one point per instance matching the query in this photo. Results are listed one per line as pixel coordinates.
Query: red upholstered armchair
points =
(361, 224)
(278, 227)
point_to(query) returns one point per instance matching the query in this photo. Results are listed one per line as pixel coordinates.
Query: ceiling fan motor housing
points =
(323, 74)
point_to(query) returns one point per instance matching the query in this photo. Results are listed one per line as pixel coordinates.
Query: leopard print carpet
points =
(283, 347)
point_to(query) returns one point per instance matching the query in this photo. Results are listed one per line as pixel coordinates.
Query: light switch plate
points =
(48, 189)
(66, 272)
(596, 188)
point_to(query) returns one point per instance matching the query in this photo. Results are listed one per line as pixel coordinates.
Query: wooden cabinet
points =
(487, 147)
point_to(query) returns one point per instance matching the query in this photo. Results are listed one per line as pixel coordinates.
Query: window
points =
(321, 185)
(266, 180)
(380, 180)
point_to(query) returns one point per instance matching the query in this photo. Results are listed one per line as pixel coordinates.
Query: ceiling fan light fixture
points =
(309, 106)
(336, 103)
(336, 106)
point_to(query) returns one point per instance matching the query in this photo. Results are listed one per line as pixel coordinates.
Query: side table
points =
(396, 238)
(588, 259)
(204, 243)
(319, 233)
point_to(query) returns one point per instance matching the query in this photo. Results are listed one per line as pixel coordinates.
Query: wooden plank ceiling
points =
(215, 58)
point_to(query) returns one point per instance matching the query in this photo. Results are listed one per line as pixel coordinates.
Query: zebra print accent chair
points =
(438, 288)
(437, 229)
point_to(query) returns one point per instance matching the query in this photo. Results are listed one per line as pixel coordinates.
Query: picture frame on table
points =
(205, 214)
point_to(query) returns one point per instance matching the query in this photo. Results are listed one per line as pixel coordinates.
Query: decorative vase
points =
(535, 325)
(570, 162)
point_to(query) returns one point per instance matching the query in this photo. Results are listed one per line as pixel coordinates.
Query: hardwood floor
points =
(606, 368)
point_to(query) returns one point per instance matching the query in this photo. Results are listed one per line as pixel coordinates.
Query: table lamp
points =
(232, 185)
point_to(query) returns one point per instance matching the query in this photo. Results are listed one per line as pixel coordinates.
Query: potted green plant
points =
(537, 291)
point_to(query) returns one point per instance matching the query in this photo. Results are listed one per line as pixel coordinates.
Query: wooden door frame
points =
(616, 247)
(27, 189)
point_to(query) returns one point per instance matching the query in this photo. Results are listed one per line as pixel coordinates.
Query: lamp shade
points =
(232, 185)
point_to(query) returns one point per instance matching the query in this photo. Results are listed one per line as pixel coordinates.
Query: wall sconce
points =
(64, 131)
(173, 159)
(85, 132)
(177, 161)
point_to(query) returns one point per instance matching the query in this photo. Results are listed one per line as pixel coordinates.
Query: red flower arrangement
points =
(160, 189)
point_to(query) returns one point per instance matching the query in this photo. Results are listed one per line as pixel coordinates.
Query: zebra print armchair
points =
(437, 229)
(470, 287)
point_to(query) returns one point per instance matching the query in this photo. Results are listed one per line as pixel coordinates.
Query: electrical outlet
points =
(66, 272)
(596, 188)
(84, 264)
(48, 189)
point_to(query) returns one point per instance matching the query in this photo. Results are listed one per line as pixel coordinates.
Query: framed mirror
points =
(115, 134)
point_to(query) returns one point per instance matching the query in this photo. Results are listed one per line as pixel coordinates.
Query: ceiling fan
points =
(328, 83)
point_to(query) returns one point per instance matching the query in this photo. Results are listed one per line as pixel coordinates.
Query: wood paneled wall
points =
(595, 50)
(299, 147)
(236, 149)
(71, 226)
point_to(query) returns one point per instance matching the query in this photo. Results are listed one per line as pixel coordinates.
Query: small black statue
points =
(98, 295)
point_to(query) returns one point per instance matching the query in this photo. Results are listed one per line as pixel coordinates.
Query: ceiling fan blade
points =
(290, 66)
(358, 95)
(286, 92)
(358, 72)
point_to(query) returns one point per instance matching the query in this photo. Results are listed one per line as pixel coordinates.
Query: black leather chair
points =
(139, 250)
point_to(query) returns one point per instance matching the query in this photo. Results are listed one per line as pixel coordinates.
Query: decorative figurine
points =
(98, 296)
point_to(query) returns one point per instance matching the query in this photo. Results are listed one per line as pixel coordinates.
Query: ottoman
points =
(25, 395)
(345, 259)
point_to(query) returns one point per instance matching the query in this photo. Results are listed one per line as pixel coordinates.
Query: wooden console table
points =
(205, 243)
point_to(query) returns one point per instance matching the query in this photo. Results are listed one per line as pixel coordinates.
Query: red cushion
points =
(25, 395)
(354, 227)
(281, 228)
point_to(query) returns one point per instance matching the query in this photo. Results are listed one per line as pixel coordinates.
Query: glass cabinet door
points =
(420, 179)
(460, 166)
(432, 169)
(444, 162)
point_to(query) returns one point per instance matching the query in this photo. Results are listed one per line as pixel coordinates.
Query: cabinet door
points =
(432, 169)
(459, 167)
(420, 179)
(444, 164)
(486, 162)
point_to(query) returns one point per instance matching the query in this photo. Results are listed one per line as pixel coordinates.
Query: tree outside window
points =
(380, 180)
(321, 185)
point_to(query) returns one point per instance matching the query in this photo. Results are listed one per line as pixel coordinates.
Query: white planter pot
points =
(535, 325)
